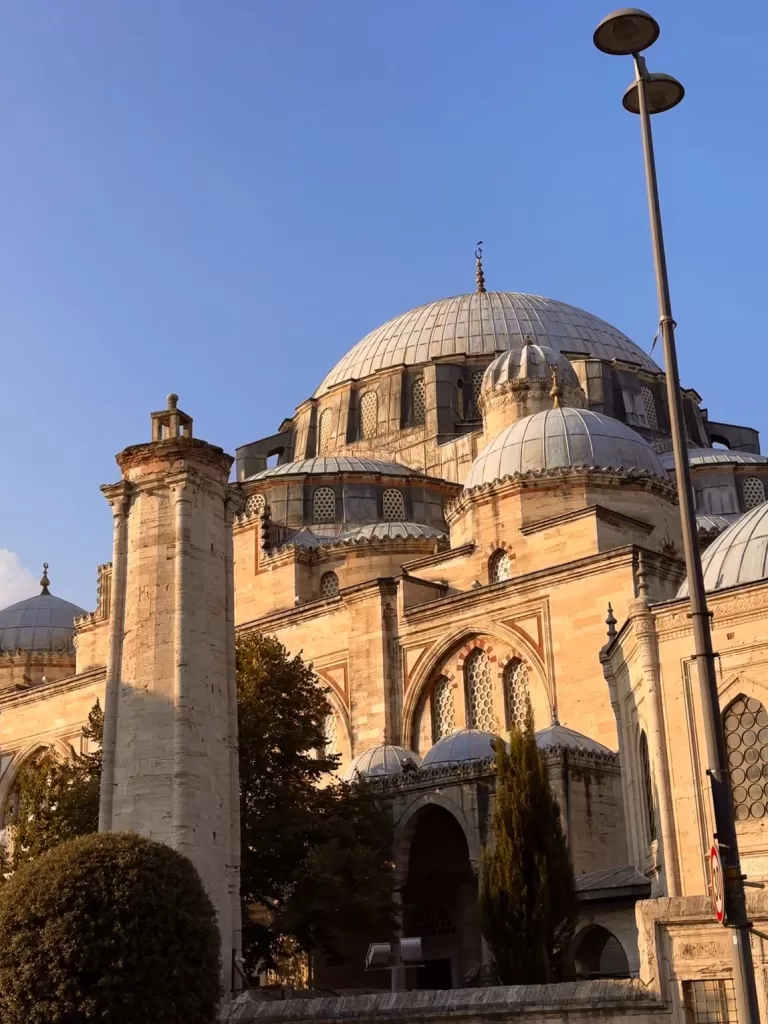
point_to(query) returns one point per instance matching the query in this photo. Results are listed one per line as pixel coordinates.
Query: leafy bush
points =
(111, 928)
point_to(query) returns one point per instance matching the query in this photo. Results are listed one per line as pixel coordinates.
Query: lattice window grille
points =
(369, 410)
(325, 437)
(516, 692)
(330, 730)
(746, 739)
(500, 566)
(418, 403)
(711, 1001)
(393, 505)
(431, 919)
(329, 585)
(444, 709)
(477, 384)
(649, 403)
(479, 692)
(645, 763)
(255, 505)
(324, 505)
(754, 492)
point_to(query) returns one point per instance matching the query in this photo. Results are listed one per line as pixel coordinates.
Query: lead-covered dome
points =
(42, 623)
(563, 437)
(483, 324)
(384, 759)
(738, 555)
(530, 361)
(464, 745)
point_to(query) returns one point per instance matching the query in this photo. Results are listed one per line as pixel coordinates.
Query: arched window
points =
(329, 585)
(418, 403)
(645, 765)
(369, 413)
(393, 505)
(499, 566)
(746, 739)
(754, 492)
(330, 729)
(649, 403)
(479, 688)
(516, 695)
(254, 505)
(324, 505)
(443, 710)
(477, 383)
(325, 432)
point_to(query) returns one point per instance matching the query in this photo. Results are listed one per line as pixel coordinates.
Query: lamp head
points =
(625, 32)
(662, 92)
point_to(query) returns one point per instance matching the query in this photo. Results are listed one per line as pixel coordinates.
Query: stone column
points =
(170, 752)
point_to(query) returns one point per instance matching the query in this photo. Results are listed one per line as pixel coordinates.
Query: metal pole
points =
(725, 823)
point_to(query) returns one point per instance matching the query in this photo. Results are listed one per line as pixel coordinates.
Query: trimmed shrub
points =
(111, 928)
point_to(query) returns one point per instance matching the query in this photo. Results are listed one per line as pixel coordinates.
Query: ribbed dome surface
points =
(464, 745)
(528, 362)
(738, 555)
(483, 324)
(42, 623)
(336, 464)
(713, 457)
(557, 438)
(560, 736)
(383, 759)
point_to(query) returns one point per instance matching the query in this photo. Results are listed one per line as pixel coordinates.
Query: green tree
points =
(55, 798)
(112, 928)
(315, 853)
(527, 899)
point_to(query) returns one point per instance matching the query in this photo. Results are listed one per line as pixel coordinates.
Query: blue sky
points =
(221, 198)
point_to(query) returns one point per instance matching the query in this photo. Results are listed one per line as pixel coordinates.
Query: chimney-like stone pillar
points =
(170, 731)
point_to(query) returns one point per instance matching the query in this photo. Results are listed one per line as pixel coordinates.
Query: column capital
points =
(119, 496)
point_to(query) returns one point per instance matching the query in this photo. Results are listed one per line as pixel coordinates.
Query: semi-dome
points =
(483, 324)
(42, 623)
(738, 555)
(463, 745)
(530, 361)
(560, 737)
(562, 437)
(330, 464)
(384, 759)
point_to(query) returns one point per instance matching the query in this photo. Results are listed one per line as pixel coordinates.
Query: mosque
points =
(475, 507)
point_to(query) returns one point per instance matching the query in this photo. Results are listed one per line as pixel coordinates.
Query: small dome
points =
(42, 623)
(714, 456)
(530, 361)
(384, 759)
(558, 438)
(333, 464)
(464, 745)
(738, 555)
(560, 736)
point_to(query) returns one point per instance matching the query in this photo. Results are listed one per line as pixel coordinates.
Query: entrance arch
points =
(440, 900)
(599, 954)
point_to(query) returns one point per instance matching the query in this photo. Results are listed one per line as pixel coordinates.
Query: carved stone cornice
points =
(182, 450)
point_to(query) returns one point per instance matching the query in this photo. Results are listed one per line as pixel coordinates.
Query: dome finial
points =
(642, 580)
(45, 582)
(555, 394)
(479, 275)
(611, 622)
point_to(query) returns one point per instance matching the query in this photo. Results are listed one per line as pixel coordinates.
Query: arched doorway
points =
(599, 954)
(440, 901)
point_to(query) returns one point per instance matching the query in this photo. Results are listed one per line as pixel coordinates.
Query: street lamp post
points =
(627, 33)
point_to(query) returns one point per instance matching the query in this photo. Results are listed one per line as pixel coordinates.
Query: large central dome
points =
(483, 324)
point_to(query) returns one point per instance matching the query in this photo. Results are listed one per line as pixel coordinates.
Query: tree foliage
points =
(315, 852)
(112, 928)
(527, 901)
(55, 798)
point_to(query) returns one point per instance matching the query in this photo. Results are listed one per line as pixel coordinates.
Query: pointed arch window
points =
(746, 740)
(443, 709)
(754, 492)
(369, 413)
(645, 767)
(324, 505)
(516, 693)
(500, 566)
(479, 689)
(325, 432)
(418, 403)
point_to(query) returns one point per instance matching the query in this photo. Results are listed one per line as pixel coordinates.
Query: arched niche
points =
(597, 953)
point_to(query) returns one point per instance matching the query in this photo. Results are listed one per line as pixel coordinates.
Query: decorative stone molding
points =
(103, 600)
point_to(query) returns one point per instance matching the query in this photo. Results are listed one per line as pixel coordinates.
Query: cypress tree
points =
(527, 900)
